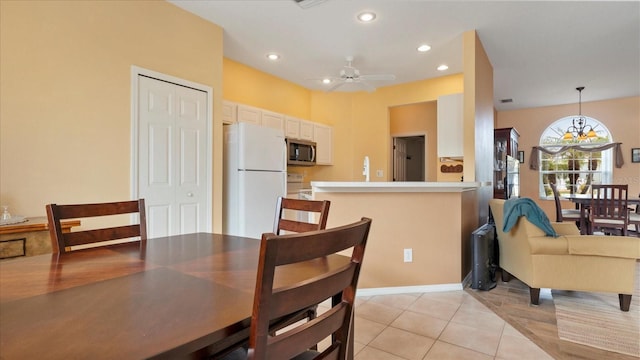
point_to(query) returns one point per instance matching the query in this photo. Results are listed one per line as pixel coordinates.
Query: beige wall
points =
(620, 116)
(478, 120)
(409, 221)
(65, 110)
(418, 119)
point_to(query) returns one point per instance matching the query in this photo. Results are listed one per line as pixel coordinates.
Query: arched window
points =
(574, 162)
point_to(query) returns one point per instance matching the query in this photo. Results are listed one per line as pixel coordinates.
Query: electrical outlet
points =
(408, 255)
(379, 173)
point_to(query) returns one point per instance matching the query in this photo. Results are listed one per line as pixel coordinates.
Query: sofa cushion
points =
(602, 245)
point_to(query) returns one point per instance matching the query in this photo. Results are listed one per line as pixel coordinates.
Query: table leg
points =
(583, 222)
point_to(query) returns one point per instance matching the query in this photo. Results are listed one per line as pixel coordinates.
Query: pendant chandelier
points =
(579, 129)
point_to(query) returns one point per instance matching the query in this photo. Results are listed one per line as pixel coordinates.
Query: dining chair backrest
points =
(563, 214)
(272, 303)
(62, 241)
(556, 197)
(301, 207)
(609, 207)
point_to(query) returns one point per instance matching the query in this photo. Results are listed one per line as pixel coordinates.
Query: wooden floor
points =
(510, 301)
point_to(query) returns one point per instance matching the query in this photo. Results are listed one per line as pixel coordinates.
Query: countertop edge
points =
(355, 186)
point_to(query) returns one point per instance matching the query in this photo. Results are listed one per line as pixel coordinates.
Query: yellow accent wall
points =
(65, 109)
(246, 85)
(620, 116)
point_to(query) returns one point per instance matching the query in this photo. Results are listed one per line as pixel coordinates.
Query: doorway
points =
(171, 152)
(409, 158)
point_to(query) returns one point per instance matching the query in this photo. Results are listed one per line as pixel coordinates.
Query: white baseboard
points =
(409, 289)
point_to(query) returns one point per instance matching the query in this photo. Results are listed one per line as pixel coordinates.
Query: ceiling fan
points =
(351, 75)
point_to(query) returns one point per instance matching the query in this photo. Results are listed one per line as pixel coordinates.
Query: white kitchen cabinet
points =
(323, 136)
(292, 127)
(272, 119)
(306, 130)
(229, 112)
(450, 126)
(249, 114)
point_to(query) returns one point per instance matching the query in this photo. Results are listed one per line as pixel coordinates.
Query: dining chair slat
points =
(61, 241)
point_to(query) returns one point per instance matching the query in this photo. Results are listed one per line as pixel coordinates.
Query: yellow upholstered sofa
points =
(568, 262)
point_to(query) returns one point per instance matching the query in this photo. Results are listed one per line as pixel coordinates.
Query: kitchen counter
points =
(405, 186)
(420, 234)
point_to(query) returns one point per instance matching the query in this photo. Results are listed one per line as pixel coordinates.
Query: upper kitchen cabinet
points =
(298, 129)
(450, 129)
(291, 127)
(323, 136)
(306, 130)
(272, 119)
(229, 112)
(254, 115)
(249, 114)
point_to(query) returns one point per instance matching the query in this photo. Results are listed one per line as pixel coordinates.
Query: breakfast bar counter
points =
(420, 235)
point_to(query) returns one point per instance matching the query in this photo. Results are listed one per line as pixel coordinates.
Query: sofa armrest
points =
(602, 245)
(565, 228)
(547, 245)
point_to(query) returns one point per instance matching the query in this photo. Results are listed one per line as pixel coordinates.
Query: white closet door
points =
(172, 157)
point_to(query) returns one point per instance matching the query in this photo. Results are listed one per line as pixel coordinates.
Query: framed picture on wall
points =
(521, 157)
(635, 155)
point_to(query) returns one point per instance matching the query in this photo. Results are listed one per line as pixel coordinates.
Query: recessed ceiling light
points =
(424, 48)
(273, 56)
(366, 16)
(326, 81)
(442, 67)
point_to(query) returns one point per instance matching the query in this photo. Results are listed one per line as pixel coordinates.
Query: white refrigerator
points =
(254, 177)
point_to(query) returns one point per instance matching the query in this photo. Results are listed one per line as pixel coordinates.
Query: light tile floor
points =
(442, 325)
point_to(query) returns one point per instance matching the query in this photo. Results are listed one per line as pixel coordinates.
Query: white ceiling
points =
(540, 50)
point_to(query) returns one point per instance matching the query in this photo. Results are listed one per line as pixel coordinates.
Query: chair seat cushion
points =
(570, 214)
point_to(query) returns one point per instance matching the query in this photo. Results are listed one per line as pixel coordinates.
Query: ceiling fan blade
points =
(378, 77)
(336, 86)
(367, 86)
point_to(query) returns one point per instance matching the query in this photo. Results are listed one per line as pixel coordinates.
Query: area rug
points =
(595, 319)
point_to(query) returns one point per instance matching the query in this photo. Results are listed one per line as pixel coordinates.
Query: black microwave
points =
(301, 152)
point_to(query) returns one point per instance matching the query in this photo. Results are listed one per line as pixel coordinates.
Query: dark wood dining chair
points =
(271, 302)
(62, 241)
(634, 218)
(609, 210)
(301, 208)
(564, 214)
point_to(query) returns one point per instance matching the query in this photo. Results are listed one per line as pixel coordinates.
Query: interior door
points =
(172, 156)
(399, 159)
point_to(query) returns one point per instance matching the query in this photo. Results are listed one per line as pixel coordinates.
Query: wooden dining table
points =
(182, 296)
(584, 202)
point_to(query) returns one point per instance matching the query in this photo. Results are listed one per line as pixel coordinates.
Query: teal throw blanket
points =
(514, 208)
